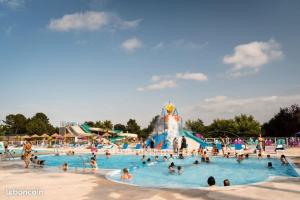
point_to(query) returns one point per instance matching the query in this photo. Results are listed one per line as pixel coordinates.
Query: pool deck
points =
(85, 184)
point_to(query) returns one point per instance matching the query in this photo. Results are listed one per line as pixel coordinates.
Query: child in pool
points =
(126, 175)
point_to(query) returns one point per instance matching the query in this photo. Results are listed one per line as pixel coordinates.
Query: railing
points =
(268, 141)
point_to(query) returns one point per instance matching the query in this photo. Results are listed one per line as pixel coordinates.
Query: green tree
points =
(132, 126)
(39, 124)
(120, 127)
(196, 126)
(246, 125)
(285, 123)
(99, 124)
(16, 123)
(107, 125)
(220, 126)
(145, 132)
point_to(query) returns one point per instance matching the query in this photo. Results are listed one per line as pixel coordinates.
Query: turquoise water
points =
(156, 174)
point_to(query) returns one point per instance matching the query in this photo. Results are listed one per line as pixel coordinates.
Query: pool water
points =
(115, 162)
(156, 174)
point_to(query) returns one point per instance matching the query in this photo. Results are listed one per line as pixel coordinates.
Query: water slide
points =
(190, 135)
(85, 128)
(77, 130)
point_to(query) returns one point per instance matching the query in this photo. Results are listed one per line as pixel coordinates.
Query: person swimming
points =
(107, 154)
(240, 158)
(226, 182)
(179, 170)
(211, 181)
(65, 167)
(93, 163)
(180, 156)
(148, 160)
(165, 158)
(171, 168)
(156, 158)
(283, 160)
(270, 165)
(227, 155)
(196, 162)
(143, 157)
(126, 175)
(247, 156)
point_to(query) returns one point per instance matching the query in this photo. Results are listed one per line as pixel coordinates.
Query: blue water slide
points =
(189, 134)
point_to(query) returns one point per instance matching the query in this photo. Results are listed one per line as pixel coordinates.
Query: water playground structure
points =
(169, 126)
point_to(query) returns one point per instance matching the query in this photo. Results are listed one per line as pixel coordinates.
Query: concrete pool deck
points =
(84, 184)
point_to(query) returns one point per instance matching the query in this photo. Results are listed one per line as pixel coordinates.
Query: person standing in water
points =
(175, 145)
(183, 144)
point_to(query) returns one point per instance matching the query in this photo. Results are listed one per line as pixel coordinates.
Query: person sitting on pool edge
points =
(211, 181)
(126, 175)
(171, 168)
(283, 160)
(226, 182)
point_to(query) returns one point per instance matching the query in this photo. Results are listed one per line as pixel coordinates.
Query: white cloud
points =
(160, 82)
(13, 4)
(180, 44)
(131, 44)
(249, 58)
(263, 108)
(79, 21)
(90, 21)
(129, 24)
(216, 99)
(159, 85)
(192, 76)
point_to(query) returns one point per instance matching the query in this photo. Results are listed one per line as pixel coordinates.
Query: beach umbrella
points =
(26, 137)
(45, 135)
(35, 136)
(55, 135)
(69, 135)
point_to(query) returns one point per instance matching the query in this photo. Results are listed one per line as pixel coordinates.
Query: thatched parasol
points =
(69, 135)
(26, 137)
(55, 135)
(45, 135)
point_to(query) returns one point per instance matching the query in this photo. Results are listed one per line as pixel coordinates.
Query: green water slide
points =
(189, 134)
(85, 128)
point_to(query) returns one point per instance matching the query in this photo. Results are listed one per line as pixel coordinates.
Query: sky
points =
(81, 60)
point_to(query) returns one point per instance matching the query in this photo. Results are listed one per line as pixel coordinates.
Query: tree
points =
(99, 124)
(247, 125)
(16, 123)
(39, 124)
(132, 126)
(285, 123)
(144, 133)
(120, 127)
(220, 126)
(107, 125)
(196, 126)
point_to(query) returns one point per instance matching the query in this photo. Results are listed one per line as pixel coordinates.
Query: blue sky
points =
(80, 60)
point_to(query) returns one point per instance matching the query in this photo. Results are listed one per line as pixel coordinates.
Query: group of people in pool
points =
(212, 182)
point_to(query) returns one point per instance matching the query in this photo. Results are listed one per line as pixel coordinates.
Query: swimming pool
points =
(156, 174)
